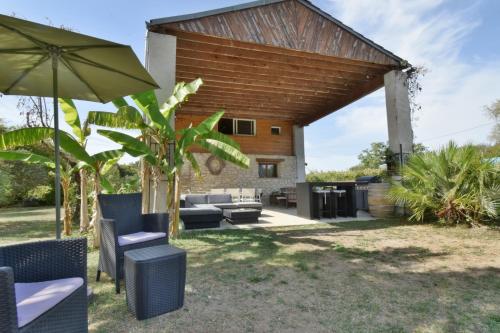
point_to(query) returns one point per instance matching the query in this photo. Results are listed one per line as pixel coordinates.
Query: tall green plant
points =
(66, 173)
(158, 128)
(453, 185)
(98, 163)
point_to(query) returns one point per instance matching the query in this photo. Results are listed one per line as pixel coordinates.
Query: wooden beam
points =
(185, 71)
(266, 49)
(211, 49)
(223, 60)
(363, 90)
(262, 73)
(264, 96)
(265, 105)
(251, 86)
(213, 106)
(197, 111)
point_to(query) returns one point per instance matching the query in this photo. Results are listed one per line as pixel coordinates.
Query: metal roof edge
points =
(212, 12)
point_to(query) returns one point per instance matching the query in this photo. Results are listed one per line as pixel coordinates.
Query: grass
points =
(377, 276)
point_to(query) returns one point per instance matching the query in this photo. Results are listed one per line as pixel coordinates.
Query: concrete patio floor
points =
(281, 217)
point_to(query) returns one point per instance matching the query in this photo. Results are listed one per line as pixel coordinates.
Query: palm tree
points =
(158, 129)
(454, 185)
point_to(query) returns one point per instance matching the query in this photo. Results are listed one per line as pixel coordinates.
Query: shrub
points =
(40, 195)
(5, 189)
(348, 175)
(452, 185)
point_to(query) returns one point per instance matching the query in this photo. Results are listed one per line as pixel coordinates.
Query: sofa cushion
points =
(200, 210)
(194, 199)
(250, 204)
(36, 298)
(231, 205)
(139, 237)
(219, 198)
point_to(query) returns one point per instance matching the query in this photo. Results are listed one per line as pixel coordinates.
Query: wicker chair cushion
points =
(139, 237)
(35, 298)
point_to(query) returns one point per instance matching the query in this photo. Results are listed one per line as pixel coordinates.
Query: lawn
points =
(377, 276)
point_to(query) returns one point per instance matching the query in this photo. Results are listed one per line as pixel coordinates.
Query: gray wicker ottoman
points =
(242, 215)
(154, 280)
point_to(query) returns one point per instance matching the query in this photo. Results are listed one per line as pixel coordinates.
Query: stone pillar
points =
(299, 152)
(398, 113)
(160, 63)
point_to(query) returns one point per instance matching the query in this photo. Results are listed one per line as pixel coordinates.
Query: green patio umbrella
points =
(39, 60)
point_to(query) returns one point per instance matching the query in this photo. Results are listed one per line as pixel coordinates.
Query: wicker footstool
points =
(242, 215)
(154, 280)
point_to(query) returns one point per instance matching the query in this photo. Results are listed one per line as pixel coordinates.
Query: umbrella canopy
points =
(39, 60)
(89, 68)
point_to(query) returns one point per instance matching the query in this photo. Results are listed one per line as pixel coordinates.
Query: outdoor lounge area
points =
(175, 197)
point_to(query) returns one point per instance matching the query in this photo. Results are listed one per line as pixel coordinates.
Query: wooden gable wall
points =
(288, 24)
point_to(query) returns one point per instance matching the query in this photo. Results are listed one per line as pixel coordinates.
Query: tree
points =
(158, 129)
(453, 185)
(493, 111)
(35, 111)
(375, 156)
(378, 153)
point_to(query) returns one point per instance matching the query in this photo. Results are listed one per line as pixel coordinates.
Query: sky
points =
(455, 40)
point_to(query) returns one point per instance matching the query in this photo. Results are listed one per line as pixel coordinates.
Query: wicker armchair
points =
(43, 286)
(124, 228)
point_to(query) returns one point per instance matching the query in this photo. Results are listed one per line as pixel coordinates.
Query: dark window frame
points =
(275, 128)
(268, 169)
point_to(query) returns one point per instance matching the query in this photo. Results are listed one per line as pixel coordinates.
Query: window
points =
(268, 170)
(275, 130)
(226, 126)
(245, 127)
(237, 126)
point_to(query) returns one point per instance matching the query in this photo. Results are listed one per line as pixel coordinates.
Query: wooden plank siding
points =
(262, 143)
(279, 60)
(288, 24)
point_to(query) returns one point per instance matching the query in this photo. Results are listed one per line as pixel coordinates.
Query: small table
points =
(155, 278)
(242, 215)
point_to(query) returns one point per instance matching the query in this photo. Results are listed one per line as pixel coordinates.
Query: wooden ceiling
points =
(281, 60)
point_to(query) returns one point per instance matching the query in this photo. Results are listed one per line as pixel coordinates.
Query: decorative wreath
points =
(215, 165)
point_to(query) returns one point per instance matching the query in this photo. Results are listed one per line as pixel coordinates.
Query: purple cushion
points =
(35, 298)
(139, 237)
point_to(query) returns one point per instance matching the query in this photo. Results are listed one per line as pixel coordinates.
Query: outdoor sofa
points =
(124, 228)
(43, 286)
(206, 210)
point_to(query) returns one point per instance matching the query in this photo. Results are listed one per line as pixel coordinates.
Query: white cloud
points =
(430, 33)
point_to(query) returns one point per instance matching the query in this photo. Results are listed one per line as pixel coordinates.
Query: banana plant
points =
(66, 173)
(98, 164)
(155, 124)
(95, 165)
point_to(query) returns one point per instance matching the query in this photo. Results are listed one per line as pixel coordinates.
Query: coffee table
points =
(242, 215)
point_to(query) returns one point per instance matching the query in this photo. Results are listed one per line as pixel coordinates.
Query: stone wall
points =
(233, 176)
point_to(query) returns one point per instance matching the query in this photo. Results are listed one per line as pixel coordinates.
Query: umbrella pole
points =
(56, 146)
